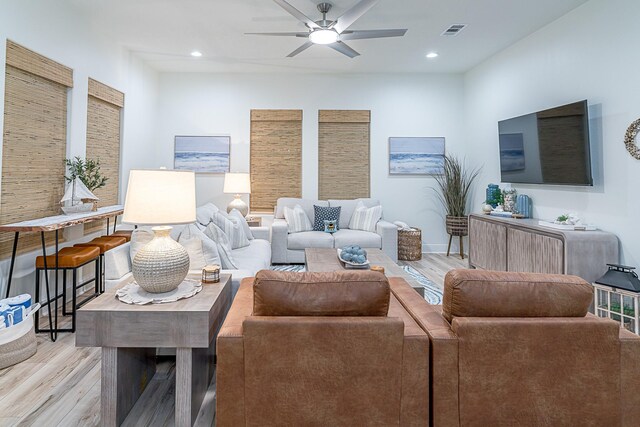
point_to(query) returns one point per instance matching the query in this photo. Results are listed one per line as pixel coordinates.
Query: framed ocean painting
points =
(416, 156)
(204, 154)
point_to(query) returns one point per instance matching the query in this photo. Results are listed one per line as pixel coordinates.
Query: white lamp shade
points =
(160, 197)
(237, 183)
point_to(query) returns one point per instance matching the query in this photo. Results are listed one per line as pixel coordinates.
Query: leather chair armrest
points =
(629, 377)
(230, 404)
(389, 234)
(260, 233)
(279, 236)
(443, 352)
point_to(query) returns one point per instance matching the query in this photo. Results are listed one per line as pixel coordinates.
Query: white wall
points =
(62, 33)
(401, 105)
(590, 53)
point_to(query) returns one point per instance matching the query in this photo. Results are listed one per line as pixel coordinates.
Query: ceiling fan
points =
(333, 33)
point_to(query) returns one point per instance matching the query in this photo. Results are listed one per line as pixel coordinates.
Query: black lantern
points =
(617, 296)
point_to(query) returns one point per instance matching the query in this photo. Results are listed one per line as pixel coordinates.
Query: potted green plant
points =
(453, 191)
(87, 171)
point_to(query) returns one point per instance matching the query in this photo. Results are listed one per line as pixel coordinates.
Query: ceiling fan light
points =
(323, 36)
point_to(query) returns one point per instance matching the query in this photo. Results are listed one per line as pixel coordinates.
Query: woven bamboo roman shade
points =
(343, 154)
(276, 157)
(103, 141)
(34, 141)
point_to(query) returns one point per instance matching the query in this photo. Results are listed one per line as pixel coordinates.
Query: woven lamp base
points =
(162, 264)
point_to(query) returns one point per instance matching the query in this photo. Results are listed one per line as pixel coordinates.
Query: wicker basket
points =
(457, 225)
(410, 245)
(20, 349)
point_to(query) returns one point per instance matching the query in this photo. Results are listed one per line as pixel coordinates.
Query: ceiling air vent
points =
(454, 30)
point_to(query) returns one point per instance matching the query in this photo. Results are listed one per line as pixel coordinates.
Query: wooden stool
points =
(121, 233)
(104, 244)
(71, 258)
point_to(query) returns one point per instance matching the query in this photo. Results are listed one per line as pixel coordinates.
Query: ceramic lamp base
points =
(239, 204)
(162, 264)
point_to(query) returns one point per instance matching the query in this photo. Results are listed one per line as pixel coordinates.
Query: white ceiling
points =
(164, 32)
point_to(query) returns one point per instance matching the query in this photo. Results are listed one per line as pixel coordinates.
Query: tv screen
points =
(547, 147)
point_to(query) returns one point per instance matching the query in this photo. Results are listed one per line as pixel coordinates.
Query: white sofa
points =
(289, 248)
(250, 260)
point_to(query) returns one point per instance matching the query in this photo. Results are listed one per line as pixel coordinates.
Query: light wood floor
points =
(60, 384)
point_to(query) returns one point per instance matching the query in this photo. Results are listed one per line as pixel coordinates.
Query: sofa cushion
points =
(307, 205)
(253, 258)
(232, 228)
(216, 234)
(325, 213)
(482, 293)
(348, 206)
(297, 219)
(204, 214)
(235, 213)
(338, 293)
(201, 249)
(309, 239)
(365, 218)
(365, 239)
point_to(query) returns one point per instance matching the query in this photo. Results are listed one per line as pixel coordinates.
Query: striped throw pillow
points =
(216, 234)
(297, 219)
(232, 228)
(364, 218)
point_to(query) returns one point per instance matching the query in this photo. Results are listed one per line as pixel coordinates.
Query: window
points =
(276, 157)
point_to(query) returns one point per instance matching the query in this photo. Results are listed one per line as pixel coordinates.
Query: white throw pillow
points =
(297, 219)
(139, 238)
(235, 213)
(204, 214)
(201, 249)
(232, 228)
(216, 234)
(364, 218)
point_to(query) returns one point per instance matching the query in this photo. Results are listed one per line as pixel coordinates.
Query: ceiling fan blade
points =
(371, 34)
(302, 48)
(299, 15)
(352, 15)
(344, 49)
(278, 34)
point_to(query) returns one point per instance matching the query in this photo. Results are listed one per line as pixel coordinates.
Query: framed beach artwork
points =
(203, 154)
(416, 156)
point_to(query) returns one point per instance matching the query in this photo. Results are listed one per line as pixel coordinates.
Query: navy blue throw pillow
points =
(325, 213)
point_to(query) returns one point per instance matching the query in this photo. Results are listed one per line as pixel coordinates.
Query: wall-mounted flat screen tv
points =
(547, 147)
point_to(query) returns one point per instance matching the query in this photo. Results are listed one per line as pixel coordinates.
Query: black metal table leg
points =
(107, 226)
(13, 261)
(54, 335)
(46, 284)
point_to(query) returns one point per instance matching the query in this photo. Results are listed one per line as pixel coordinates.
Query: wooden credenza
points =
(506, 244)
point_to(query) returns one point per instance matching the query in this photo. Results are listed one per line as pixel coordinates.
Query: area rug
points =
(432, 292)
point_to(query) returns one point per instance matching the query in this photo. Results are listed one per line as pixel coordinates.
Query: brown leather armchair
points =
(519, 349)
(321, 349)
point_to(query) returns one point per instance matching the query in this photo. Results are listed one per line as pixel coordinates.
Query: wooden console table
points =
(129, 335)
(54, 223)
(507, 244)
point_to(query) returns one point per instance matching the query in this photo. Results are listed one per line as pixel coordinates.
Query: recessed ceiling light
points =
(432, 55)
(196, 54)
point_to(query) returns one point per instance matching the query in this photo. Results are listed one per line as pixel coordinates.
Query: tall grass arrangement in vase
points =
(453, 191)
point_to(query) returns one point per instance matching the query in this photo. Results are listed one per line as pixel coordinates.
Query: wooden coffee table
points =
(326, 259)
(130, 334)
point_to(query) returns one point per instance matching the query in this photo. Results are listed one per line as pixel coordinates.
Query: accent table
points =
(129, 335)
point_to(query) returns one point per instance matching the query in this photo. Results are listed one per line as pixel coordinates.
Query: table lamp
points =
(159, 198)
(238, 184)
